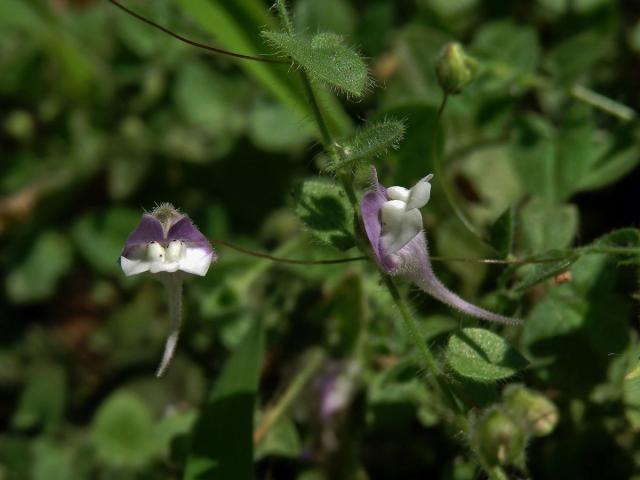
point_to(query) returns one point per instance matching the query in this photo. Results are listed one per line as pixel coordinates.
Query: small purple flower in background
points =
(393, 223)
(167, 244)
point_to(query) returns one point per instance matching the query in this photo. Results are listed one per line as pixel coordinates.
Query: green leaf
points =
(236, 27)
(281, 440)
(570, 59)
(38, 275)
(536, 273)
(53, 460)
(325, 58)
(100, 237)
(501, 233)
(291, 133)
(374, 140)
(512, 53)
(43, 400)
(222, 439)
(546, 226)
(483, 356)
(326, 16)
(324, 208)
(123, 432)
(613, 166)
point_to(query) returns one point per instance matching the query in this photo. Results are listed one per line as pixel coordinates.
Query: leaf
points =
(43, 400)
(122, 431)
(222, 438)
(579, 323)
(325, 58)
(236, 27)
(37, 276)
(374, 140)
(100, 237)
(53, 461)
(570, 59)
(545, 226)
(324, 208)
(273, 128)
(511, 51)
(501, 233)
(614, 166)
(327, 16)
(483, 356)
(536, 273)
(281, 440)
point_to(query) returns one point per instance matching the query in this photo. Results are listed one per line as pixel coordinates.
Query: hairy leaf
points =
(483, 356)
(325, 58)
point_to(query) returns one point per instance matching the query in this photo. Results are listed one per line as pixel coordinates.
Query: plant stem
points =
(603, 103)
(274, 414)
(443, 179)
(173, 283)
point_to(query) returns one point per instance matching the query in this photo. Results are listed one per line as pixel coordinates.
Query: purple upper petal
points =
(184, 230)
(370, 207)
(148, 230)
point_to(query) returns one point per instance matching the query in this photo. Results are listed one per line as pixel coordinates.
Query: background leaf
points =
(222, 438)
(483, 356)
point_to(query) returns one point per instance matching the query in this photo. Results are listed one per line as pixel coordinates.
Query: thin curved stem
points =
(444, 181)
(273, 258)
(209, 48)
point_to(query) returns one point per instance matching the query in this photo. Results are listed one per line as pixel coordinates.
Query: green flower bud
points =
(539, 414)
(499, 438)
(455, 69)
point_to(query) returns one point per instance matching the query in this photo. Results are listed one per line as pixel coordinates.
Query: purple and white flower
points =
(393, 224)
(168, 245)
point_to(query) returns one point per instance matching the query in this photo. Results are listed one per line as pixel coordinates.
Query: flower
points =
(166, 241)
(167, 244)
(393, 224)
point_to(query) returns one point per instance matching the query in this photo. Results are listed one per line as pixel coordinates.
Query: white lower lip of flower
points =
(399, 226)
(181, 257)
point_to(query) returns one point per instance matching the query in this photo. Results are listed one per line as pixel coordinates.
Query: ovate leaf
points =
(324, 208)
(123, 432)
(325, 58)
(483, 356)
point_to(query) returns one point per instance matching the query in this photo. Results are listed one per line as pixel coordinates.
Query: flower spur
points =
(393, 224)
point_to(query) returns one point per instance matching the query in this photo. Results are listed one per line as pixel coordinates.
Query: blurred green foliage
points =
(102, 116)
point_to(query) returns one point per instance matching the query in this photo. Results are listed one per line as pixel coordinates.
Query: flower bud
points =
(455, 69)
(539, 414)
(499, 438)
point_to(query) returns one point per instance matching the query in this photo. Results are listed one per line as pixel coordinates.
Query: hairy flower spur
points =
(393, 223)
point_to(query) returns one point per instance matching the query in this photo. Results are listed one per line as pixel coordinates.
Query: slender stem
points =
(444, 180)
(216, 50)
(274, 414)
(287, 260)
(426, 355)
(603, 103)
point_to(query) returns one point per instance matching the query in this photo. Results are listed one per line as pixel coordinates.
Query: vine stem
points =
(193, 43)
(440, 173)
